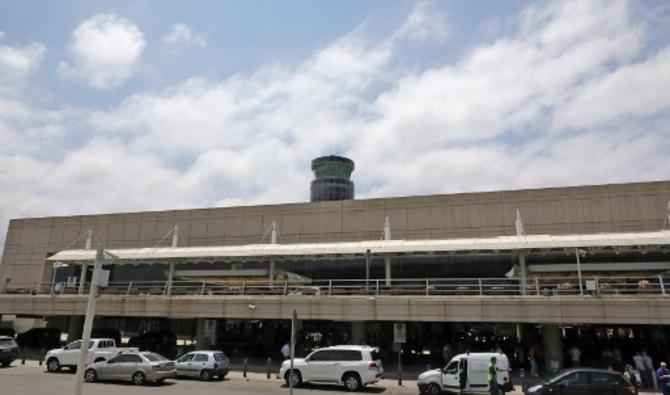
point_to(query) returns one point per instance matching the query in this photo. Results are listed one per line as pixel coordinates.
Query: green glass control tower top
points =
(332, 181)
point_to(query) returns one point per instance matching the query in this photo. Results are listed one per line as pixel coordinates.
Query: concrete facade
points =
(553, 310)
(584, 209)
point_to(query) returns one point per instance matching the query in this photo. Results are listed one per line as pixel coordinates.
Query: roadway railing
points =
(535, 287)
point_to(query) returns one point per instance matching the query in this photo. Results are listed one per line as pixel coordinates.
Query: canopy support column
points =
(273, 240)
(523, 270)
(175, 243)
(84, 266)
(387, 259)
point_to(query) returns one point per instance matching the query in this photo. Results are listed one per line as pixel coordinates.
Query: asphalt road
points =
(32, 379)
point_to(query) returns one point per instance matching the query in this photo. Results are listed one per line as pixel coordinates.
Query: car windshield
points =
(152, 357)
(219, 357)
(75, 345)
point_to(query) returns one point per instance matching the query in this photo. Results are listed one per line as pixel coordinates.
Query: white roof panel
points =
(251, 251)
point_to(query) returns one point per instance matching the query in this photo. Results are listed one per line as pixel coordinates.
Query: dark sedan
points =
(582, 381)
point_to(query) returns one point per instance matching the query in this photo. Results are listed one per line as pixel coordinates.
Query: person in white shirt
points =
(286, 351)
(575, 356)
(638, 359)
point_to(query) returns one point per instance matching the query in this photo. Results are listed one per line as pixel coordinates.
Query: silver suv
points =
(203, 364)
(351, 366)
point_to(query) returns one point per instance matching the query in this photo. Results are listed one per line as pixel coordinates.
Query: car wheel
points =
(53, 365)
(90, 376)
(352, 382)
(295, 378)
(139, 378)
(205, 375)
(6, 364)
(433, 389)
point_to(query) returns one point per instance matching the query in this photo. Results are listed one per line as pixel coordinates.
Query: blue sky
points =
(147, 105)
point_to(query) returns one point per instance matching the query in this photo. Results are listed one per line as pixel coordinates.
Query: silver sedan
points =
(138, 367)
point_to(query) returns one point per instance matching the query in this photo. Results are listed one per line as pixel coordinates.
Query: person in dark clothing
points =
(663, 376)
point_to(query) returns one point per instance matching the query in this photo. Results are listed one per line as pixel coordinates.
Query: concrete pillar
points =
(553, 350)
(205, 333)
(358, 332)
(75, 327)
(200, 335)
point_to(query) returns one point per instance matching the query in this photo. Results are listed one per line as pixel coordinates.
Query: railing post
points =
(537, 286)
(427, 285)
(377, 288)
(481, 289)
(130, 286)
(330, 287)
(285, 287)
(244, 287)
(660, 281)
(202, 290)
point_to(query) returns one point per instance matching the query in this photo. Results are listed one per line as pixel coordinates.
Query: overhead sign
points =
(399, 333)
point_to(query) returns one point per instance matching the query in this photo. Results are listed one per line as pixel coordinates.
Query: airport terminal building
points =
(526, 268)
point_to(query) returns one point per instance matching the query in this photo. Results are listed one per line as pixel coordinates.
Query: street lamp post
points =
(88, 320)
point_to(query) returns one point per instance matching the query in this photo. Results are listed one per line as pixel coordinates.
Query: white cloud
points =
(18, 62)
(181, 34)
(424, 22)
(105, 49)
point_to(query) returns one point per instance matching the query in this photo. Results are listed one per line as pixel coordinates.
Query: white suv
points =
(352, 366)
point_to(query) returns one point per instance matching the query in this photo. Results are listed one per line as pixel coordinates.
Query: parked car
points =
(580, 381)
(163, 343)
(351, 366)
(68, 356)
(204, 365)
(9, 350)
(467, 371)
(38, 338)
(137, 367)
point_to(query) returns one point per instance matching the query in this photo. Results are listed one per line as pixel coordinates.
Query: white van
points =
(468, 371)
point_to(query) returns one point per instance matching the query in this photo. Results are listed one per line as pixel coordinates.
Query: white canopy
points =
(340, 250)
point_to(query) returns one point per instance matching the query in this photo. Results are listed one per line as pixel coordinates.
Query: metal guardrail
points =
(538, 286)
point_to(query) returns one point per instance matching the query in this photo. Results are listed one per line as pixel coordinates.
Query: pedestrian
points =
(649, 365)
(533, 363)
(575, 356)
(629, 376)
(608, 358)
(638, 360)
(446, 353)
(286, 351)
(663, 376)
(492, 376)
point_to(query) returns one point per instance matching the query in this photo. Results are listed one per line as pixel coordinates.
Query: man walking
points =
(492, 376)
(663, 376)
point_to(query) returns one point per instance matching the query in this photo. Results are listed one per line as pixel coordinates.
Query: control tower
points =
(331, 178)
